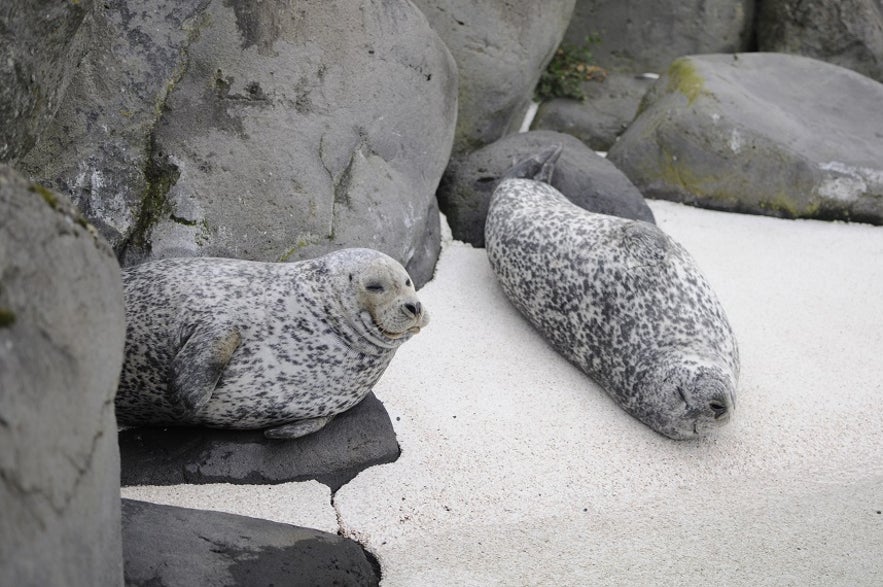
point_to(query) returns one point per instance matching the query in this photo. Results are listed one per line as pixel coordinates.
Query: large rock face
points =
(501, 48)
(264, 131)
(848, 33)
(762, 133)
(641, 36)
(61, 349)
(41, 42)
(587, 179)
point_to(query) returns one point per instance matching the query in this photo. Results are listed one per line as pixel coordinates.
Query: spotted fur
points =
(241, 344)
(622, 301)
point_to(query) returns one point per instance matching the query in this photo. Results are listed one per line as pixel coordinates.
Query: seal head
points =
(683, 400)
(377, 300)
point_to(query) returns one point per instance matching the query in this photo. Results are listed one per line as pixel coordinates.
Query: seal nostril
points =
(719, 408)
(413, 309)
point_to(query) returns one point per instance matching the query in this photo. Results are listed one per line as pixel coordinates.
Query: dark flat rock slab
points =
(355, 440)
(165, 546)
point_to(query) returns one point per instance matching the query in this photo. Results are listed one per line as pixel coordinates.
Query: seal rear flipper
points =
(298, 429)
(199, 363)
(538, 167)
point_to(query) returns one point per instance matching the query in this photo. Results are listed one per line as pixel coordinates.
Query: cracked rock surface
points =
(61, 348)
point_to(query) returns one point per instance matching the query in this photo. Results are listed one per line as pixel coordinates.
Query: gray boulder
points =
(166, 546)
(848, 33)
(501, 48)
(587, 179)
(609, 107)
(61, 349)
(639, 36)
(265, 131)
(41, 42)
(763, 133)
(357, 439)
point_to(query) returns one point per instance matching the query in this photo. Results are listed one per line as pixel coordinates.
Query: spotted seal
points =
(239, 344)
(617, 297)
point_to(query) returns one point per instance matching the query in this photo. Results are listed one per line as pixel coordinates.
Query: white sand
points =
(518, 470)
(302, 504)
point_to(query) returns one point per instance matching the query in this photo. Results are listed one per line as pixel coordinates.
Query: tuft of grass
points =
(570, 67)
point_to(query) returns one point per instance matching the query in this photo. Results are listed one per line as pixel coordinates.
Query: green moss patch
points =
(46, 194)
(160, 175)
(7, 317)
(569, 68)
(300, 244)
(683, 78)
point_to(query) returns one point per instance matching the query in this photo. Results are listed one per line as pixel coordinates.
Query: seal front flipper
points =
(645, 245)
(198, 365)
(298, 429)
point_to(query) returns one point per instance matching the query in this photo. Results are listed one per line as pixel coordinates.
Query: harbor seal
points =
(228, 343)
(618, 298)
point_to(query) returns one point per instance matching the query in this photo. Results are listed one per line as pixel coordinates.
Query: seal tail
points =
(538, 167)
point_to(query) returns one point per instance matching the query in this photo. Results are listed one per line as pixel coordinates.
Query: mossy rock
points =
(760, 133)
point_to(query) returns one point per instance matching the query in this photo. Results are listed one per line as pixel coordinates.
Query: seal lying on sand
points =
(228, 343)
(618, 298)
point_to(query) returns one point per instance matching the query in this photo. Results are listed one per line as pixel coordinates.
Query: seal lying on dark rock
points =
(228, 343)
(618, 298)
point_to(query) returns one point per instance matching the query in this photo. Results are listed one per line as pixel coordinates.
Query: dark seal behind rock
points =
(239, 344)
(618, 298)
